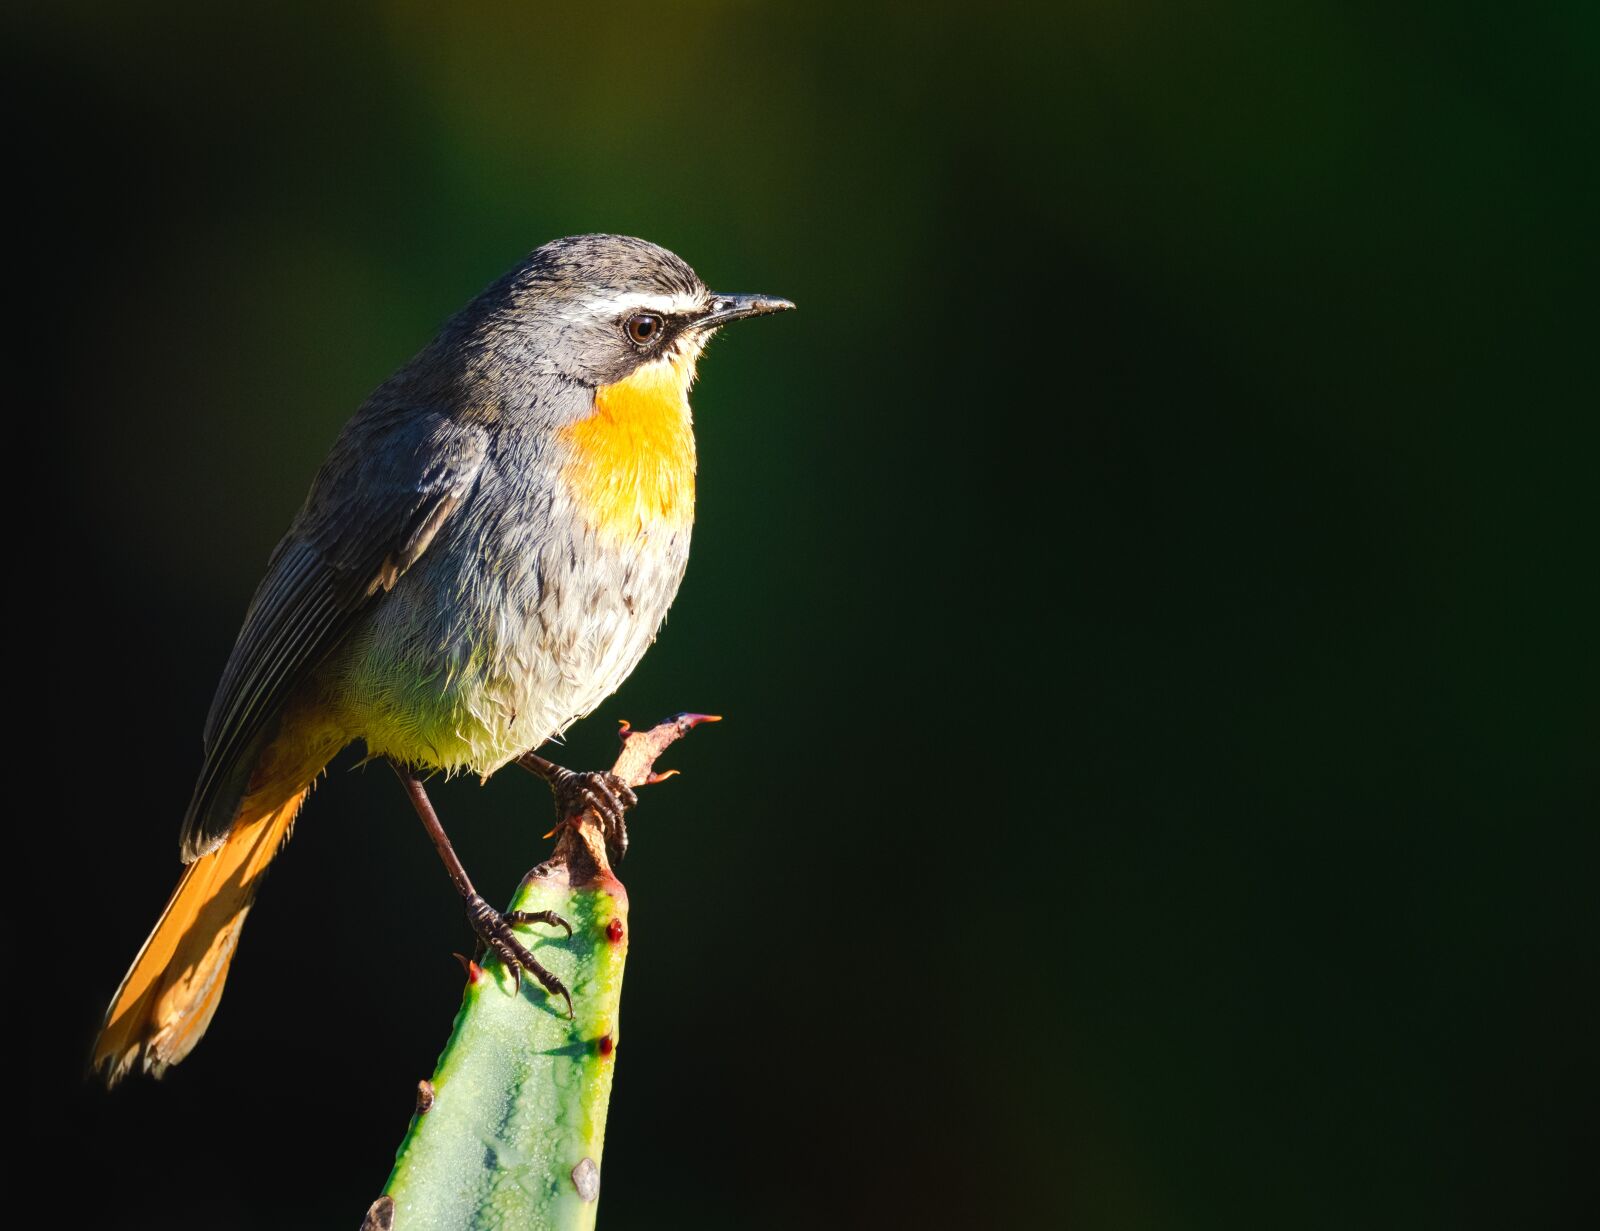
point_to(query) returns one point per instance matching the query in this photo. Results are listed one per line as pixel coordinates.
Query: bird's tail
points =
(166, 1000)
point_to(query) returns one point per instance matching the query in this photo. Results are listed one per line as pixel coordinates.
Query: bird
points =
(484, 556)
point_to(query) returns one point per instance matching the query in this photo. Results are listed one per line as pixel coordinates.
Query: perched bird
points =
(484, 557)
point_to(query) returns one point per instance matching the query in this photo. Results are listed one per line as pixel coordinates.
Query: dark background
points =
(1150, 584)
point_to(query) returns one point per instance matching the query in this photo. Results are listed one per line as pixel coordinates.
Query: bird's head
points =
(602, 309)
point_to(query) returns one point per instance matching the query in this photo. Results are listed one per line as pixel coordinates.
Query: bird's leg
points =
(493, 929)
(606, 793)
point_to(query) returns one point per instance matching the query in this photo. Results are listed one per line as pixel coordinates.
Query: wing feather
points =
(387, 489)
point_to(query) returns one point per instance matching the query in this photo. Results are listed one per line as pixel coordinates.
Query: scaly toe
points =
(494, 932)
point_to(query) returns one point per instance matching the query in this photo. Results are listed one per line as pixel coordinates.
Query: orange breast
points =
(632, 467)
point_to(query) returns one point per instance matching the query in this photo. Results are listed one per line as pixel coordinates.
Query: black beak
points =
(725, 308)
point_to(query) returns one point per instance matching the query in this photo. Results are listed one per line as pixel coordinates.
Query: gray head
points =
(595, 308)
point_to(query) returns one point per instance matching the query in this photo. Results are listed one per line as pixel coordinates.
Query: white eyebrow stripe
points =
(667, 305)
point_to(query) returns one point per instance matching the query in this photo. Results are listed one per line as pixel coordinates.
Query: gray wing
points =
(382, 496)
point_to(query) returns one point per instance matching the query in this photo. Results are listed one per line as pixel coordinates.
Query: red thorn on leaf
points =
(474, 971)
(605, 1044)
(655, 778)
(625, 729)
(689, 721)
(614, 931)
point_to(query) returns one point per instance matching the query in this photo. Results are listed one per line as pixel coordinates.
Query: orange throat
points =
(632, 467)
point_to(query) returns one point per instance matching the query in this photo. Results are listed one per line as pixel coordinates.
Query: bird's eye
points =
(643, 328)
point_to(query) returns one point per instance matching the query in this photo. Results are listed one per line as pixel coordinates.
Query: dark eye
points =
(643, 328)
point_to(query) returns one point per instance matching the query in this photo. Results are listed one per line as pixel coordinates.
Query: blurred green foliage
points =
(1152, 575)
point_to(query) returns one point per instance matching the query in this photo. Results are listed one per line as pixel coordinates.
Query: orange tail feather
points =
(166, 1000)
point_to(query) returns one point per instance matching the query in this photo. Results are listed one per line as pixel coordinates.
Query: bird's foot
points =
(494, 932)
(608, 795)
(575, 792)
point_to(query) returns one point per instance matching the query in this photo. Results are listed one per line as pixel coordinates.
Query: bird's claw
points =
(494, 933)
(607, 794)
